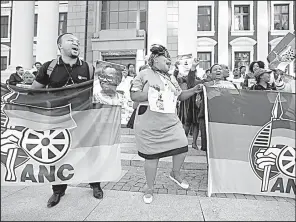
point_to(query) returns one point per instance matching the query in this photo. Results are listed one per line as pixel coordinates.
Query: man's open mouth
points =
(75, 49)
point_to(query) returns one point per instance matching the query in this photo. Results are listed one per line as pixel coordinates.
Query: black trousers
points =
(203, 133)
(62, 187)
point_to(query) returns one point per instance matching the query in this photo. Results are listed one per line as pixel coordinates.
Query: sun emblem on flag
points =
(286, 55)
(19, 144)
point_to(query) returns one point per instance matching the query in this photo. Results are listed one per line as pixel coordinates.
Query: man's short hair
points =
(18, 68)
(37, 63)
(60, 37)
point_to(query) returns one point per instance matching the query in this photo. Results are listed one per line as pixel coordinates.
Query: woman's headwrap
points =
(157, 50)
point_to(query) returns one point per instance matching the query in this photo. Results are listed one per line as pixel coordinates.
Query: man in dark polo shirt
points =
(68, 70)
(17, 77)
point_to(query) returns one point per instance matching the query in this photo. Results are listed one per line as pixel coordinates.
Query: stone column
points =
(47, 30)
(262, 31)
(157, 23)
(22, 33)
(223, 32)
(187, 29)
(140, 59)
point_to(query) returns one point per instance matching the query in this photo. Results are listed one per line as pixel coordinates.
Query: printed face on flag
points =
(106, 80)
(185, 64)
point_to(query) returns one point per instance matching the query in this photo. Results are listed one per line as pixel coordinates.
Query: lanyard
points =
(69, 77)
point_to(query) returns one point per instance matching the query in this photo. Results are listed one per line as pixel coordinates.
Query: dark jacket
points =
(14, 79)
(259, 87)
(191, 82)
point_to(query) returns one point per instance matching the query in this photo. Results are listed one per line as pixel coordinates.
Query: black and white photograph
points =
(148, 110)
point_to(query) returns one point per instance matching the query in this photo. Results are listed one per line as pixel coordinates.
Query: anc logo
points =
(19, 144)
(272, 151)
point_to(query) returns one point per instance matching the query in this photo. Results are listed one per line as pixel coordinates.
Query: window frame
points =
(211, 62)
(242, 14)
(241, 52)
(251, 18)
(5, 16)
(242, 44)
(8, 4)
(66, 20)
(212, 5)
(4, 56)
(5, 49)
(205, 44)
(137, 21)
(291, 14)
(36, 25)
(6, 13)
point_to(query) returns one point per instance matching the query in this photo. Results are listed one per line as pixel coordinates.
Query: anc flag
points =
(58, 136)
(283, 53)
(251, 142)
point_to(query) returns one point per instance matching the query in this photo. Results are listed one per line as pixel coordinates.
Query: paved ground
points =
(29, 204)
(123, 199)
(123, 202)
(133, 180)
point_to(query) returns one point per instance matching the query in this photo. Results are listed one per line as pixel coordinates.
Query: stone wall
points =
(79, 15)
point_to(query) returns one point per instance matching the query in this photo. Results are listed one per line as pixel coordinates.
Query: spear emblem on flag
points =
(277, 112)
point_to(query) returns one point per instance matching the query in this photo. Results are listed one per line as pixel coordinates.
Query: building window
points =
(35, 25)
(143, 15)
(241, 59)
(205, 60)
(242, 17)
(4, 26)
(3, 62)
(62, 23)
(172, 29)
(124, 15)
(204, 18)
(4, 2)
(281, 17)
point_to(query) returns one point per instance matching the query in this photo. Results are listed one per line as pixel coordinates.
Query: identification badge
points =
(162, 101)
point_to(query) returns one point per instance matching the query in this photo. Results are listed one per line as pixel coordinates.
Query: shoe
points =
(183, 184)
(54, 199)
(98, 192)
(148, 196)
(195, 147)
